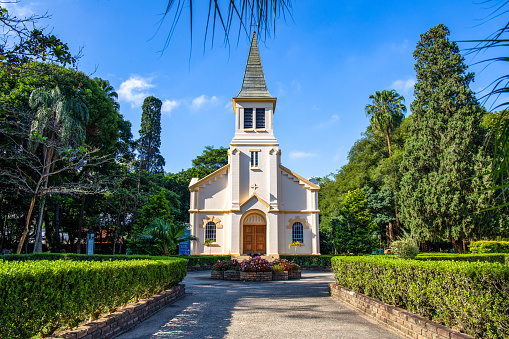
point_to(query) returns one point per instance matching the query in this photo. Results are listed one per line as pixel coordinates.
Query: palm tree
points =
(259, 15)
(109, 91)
(62, 121)
(386, 111)
(167, 235)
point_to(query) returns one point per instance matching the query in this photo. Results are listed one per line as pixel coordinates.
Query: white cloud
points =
(134, 89)
(17, 10)
(333, 119)
(229, 105)
(298, 155)
(296, 85)
(198, 102)
(404, 87)
(169, 105)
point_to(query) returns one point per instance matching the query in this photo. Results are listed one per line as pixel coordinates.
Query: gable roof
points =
(305, 181)
(254, 85)
(195, 183)
(254, 195)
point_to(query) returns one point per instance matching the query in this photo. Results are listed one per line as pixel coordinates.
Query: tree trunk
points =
(27, 224)
(457, 246)
(391, 232)
(80, 224)
(38, 234)
(395, 201)
(56, 235)
(388, 142)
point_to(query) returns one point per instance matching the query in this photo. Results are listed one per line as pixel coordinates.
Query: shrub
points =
(284, 265)
(278, 267)
(192, 260)
(404, 249)
(39, 297)
(308, 260)
(471, 296)
(233, 265)
(227, 265)
(489, 257)
(256, 264)
(489, 247)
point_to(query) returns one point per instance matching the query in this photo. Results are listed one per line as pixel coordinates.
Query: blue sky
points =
(322, 66)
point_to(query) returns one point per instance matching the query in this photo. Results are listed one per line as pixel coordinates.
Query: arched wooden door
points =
(254, 234)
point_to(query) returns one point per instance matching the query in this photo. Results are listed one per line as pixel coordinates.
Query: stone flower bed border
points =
(121, 321)
(256, 276)
(255, 269)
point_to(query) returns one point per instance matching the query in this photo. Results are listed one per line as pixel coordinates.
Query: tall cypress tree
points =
(445, 145)
(150, 136)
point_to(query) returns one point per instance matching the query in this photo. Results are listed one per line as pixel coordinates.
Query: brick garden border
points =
(397, 319)
(121, 321)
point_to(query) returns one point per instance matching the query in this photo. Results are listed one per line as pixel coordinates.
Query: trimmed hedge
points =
(489, 247)
(471, 296)
(308, 260)
(193, 260)
(39, 297)
(488, 257)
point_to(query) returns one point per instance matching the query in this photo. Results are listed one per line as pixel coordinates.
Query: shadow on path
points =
(277, 309)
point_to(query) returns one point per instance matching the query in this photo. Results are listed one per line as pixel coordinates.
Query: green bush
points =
(193, 260)
(471, 296)
(404, 249)
(489, 257)
(308, 260)
(39, 297)
(489, 247)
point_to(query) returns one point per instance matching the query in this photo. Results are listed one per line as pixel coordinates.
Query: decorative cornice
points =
(213, 219)
(304, 223)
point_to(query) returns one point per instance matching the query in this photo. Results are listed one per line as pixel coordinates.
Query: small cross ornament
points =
(254, 187)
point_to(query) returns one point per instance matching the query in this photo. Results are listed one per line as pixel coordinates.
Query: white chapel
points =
(254, 205)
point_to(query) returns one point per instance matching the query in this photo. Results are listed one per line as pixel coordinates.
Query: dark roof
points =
(254, 85)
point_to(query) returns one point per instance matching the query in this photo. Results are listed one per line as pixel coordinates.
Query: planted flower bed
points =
(255, 269)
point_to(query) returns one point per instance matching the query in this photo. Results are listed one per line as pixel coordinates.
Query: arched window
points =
(210, 231)
(297, 232)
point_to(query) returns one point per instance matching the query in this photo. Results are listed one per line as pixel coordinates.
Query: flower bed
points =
(255, 269)
(256, 276)
(217, 275)
(279, 275)
(232, 275)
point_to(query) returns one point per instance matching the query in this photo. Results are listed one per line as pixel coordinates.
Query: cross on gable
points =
(254, 187)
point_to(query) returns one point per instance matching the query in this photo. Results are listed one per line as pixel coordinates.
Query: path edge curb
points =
(399, 320)
(121, 321)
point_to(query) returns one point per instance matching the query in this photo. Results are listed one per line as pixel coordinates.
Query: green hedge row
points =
(489, 247)
(488, 257)
(309, 260)
(39, 297)
(193, 260)
(471, 296)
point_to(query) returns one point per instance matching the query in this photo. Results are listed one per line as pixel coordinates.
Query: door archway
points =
(254, 233)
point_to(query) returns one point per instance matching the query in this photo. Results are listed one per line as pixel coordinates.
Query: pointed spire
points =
(254, 85)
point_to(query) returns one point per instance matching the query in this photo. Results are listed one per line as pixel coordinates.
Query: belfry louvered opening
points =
(260, 118)
(248, 118)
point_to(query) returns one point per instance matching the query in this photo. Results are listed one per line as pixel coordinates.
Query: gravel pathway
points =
(276, 309)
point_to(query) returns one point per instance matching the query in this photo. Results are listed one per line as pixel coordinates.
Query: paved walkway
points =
(276, 309)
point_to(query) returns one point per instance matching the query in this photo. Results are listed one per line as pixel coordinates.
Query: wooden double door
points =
(255, 239)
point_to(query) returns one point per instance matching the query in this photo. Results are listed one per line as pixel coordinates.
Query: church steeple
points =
(254, 85)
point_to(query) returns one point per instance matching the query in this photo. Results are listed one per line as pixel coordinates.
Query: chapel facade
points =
(254, 205)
